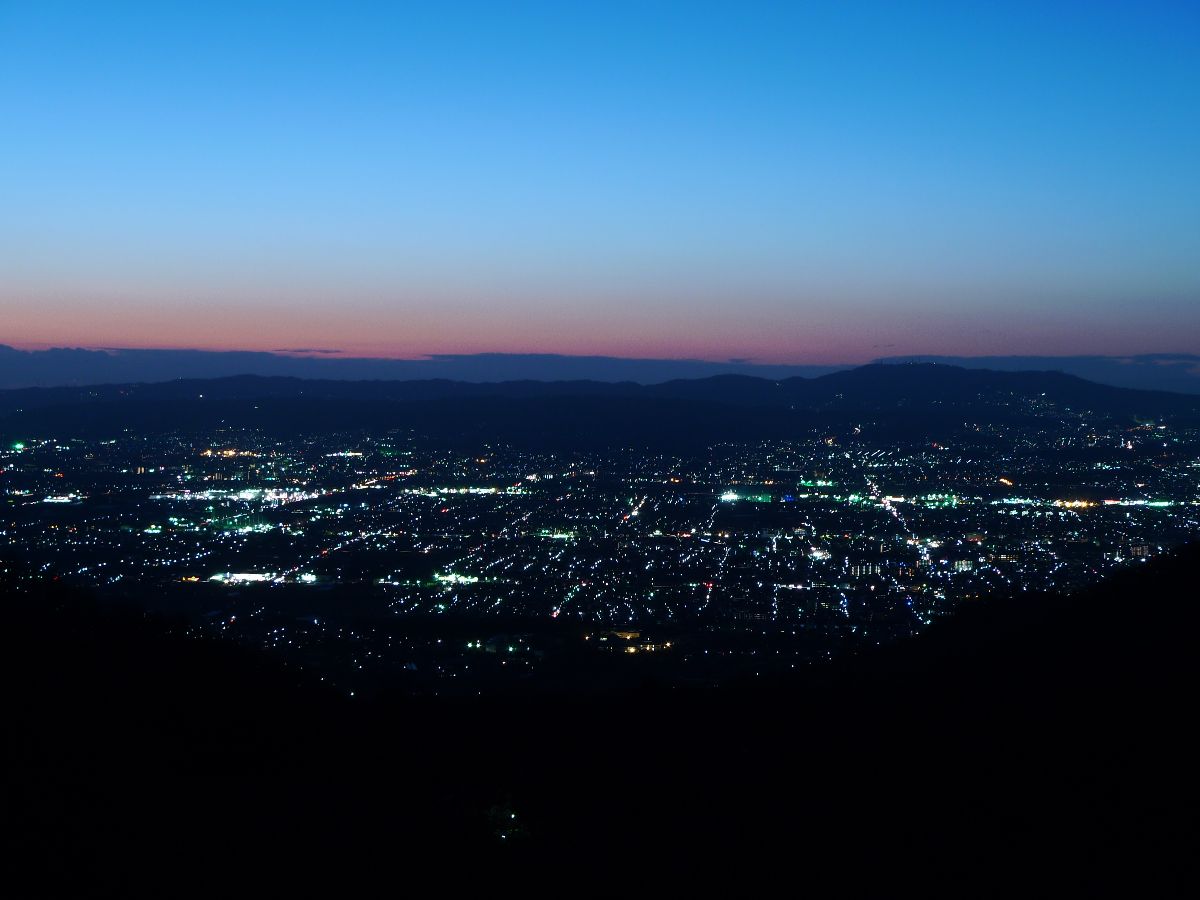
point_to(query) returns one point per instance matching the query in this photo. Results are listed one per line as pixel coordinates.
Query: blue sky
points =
(786, 182)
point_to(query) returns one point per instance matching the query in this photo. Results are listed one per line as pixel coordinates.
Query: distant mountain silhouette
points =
(1044, 740)
(1146, 371)
(886, 399)
(66, 366)
(77, 366)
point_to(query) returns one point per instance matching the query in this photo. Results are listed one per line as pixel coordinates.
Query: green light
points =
(455, 578)
(18, 446)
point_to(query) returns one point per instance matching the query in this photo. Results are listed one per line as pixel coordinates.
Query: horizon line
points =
(318, 353)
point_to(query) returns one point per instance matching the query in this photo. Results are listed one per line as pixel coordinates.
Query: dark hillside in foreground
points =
(1048, 739)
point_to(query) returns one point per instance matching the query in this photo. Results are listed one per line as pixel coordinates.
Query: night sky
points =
(787, 183)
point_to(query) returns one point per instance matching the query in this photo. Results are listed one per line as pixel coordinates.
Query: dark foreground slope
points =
(1045, 742)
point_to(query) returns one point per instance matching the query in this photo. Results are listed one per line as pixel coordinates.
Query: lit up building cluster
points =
(376, 558)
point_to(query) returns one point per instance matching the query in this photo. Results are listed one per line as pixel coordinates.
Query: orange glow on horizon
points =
(808, 333)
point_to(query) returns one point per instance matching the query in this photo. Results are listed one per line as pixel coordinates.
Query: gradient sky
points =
(793, 182)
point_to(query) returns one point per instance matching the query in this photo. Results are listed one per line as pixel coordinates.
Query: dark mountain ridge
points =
(706, 409)
(78, 366)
